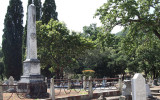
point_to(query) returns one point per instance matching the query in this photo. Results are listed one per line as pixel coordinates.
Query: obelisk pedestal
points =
(32, 81)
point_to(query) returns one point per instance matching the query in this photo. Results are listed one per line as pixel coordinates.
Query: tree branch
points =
(156, 33)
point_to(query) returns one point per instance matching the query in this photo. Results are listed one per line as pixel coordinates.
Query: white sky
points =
(74, 13)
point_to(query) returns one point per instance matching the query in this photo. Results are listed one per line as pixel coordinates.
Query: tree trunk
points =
(156, 33)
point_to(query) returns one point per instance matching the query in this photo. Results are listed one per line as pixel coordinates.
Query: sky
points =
(74, 13)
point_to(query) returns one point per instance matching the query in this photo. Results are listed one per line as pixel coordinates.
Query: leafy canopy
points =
(142, 17)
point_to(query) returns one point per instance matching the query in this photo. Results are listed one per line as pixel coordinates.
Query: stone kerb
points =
(138, 87)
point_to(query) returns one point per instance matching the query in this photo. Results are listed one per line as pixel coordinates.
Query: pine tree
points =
(38, 5)
(12, 39)
(49, 11)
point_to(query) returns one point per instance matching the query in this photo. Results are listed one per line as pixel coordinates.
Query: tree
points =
(1, 64)
(12, 39)
(38, 5)
(140, 16)
(91, 31)
(59, 49)
(49, 11)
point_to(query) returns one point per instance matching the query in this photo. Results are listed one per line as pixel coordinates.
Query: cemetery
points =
(62, 65)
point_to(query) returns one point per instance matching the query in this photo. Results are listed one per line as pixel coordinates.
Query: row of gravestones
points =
(9, 82)
(138, 87)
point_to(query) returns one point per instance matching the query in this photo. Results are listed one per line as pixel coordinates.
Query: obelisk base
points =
(35, 88)
(32, 83)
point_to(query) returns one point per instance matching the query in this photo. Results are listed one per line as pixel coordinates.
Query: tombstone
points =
(84, 82)
(31, 66)
(11, 83)
(155, 82)
(104, 82)
(120, 84)
(148, 91)
(11, 80)
(126, 89)
(138, 87)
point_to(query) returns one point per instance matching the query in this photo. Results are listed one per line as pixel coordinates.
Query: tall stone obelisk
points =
(31, 66)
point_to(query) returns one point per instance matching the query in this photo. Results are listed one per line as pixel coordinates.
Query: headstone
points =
(31, 66)
(138, 87)
(120, 83)
(155, 82)
(11, 83)
(11, 80)
(84, 82)
(148, 91)
(104, 82)
(126, 90)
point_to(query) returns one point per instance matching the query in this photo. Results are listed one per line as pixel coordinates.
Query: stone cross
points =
(31, 33)
(138, 87)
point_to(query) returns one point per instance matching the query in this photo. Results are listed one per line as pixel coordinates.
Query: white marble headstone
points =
(138, 87)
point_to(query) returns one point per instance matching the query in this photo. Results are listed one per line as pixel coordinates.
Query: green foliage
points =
(59, 49)
(140, 16)
(12, 39)
(91, 31)
(49, 11)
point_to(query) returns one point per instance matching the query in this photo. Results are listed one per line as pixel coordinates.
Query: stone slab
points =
(138, 87)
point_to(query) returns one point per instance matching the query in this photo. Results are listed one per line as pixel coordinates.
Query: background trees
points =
(49, 11)
(12, 39)
(58, 49)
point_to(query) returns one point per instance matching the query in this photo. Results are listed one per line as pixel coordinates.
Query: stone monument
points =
(31, 66)
(138, 87)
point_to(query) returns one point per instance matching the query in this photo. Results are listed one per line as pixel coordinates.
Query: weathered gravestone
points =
(11, 80)
(138, 87)
(31, 66)
(127, 89)
(148, 91)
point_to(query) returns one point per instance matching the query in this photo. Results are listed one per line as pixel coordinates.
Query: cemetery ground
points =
(15, 96)
(73, 93)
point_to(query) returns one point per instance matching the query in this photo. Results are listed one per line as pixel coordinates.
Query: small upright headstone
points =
(104, 82)
(84, 82)
(126, 88)
(11, 80)
(148, 91)
(138, 87)
(155, 82)
(120, 83)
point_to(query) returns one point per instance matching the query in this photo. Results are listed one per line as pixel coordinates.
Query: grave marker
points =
(138, 87)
